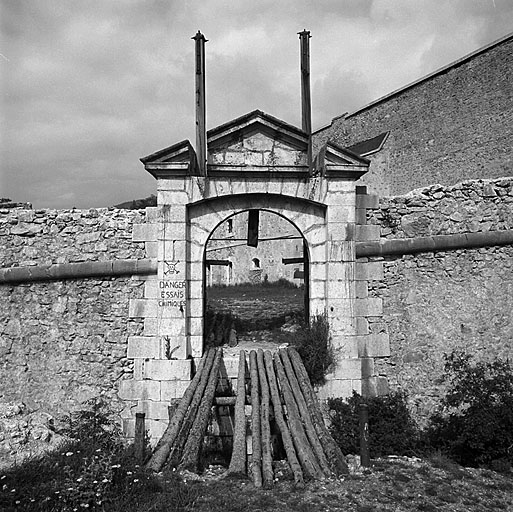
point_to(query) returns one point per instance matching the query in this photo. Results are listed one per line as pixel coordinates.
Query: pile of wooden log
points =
(279, 388)
(182, 442)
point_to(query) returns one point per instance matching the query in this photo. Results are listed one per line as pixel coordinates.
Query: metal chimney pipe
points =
(306, 101)
(201, 115)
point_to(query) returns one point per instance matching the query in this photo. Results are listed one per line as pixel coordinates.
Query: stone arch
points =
(308, 217)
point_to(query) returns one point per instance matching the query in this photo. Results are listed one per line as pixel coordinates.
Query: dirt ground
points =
(398, 484)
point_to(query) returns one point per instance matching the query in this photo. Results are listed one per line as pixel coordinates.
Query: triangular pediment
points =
(256, 144)
(334, 161)
(257, 140)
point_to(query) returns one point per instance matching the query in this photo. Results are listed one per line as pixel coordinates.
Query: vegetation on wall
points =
(313, 342)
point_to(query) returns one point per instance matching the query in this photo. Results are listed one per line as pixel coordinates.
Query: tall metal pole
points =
(201, 130)
(306, 101)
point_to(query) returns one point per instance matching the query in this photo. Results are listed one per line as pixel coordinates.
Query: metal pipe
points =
(433, 243)
(201, 130)
(84, 270)
(306, 101)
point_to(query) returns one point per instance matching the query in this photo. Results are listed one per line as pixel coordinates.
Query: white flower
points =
(129, 473)
(136, 480)
(69, 454)
(79, 479)
(105, 480)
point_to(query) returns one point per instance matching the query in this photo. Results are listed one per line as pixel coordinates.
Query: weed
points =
(313, 342)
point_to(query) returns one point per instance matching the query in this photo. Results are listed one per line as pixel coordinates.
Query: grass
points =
(65, 482)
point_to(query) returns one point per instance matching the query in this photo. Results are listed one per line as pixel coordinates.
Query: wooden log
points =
(304, 413)
(304, 451)
(161, 451)
(333, 453)
(193, 446)
(286, 436)
(139, 439)
(265, 426)
(238, 459)
(230, 400)
(256, 466)
(175, 455)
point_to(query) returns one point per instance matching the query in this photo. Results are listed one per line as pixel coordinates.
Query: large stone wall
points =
(62, 342)
(38, 237)
(450, 127)
(436, 302)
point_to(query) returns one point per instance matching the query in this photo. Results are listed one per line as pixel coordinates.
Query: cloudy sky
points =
(90, 86)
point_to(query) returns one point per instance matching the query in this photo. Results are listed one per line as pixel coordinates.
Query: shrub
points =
(474, 425)
(392, 431)
(94, 470)
(313, 342)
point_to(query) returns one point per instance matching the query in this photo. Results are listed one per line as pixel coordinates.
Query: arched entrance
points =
(255, 291)
(255, 163)
(307, 219)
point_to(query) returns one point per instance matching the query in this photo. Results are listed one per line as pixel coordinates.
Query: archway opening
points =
(256, 281)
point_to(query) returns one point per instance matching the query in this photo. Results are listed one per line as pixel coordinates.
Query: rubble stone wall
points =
(38, 237)
(436, 302)
(63, 342)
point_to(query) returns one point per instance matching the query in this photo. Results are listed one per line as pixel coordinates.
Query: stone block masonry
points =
(451, 126)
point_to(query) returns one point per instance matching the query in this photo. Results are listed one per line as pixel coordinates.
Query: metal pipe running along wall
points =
(453, 242)
(394, 247)
(60, 271)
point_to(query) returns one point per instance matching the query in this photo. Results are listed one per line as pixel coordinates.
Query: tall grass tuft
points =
(313, 342)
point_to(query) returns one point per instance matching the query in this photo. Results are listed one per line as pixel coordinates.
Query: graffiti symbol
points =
(171, 267)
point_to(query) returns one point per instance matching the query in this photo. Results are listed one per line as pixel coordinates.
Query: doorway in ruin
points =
(255, 281)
